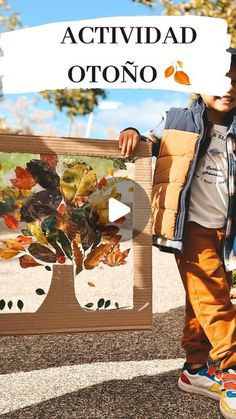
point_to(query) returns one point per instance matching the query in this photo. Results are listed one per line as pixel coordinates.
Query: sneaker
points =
(206, 381)
(228, 395)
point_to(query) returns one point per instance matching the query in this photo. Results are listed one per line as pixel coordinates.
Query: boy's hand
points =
(128, 142)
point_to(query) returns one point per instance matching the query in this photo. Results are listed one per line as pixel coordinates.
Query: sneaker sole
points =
(226, 414)
(197, 390)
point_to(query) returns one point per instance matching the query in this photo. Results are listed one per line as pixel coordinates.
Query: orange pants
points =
(210, 322)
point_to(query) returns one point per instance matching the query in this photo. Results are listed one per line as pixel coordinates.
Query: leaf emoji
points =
(65, 243)
(27, 261)
(169, 71)
(97, 255)
(6, 253)
(13, 244)
(91, 284)
(2, 304)
(116, 257)
(182, 78)
(36, 230)
(42, 253)
(10, 221)
(46, 176)
(78, 258)
(23, 239)
(26, 232)
(20, 304)
(180, 64)
(50, 159)
(24, 179)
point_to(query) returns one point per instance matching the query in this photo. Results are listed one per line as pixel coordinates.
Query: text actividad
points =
(118, 35)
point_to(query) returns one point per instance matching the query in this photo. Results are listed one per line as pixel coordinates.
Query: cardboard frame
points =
(71, 317)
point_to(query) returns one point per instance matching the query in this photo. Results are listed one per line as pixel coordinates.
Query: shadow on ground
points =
(26, 353)
(146, 397)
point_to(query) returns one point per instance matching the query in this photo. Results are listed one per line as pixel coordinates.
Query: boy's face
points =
(227, 102)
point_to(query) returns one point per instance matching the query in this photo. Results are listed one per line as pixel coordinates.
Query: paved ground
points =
(104, 375)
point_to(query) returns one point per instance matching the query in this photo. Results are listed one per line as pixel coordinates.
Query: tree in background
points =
(75, 102)
(9, 18)
(224, 9)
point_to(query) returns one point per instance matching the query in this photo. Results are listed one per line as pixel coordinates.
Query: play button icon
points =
(116, 210)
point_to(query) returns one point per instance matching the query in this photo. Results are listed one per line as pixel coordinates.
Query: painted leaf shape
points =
(89, 305)
(107, 303)
(109, 230)
(50, 159)
(35, 229)
(78, 258)
(10, 221)
(10, 304)
(46, 176)
(6, 253)
(24, 179)
(2, 304)
(41, 252)
(20, 304)
(40, 291)
(27, 261)
(116, 257)
(7, 205)
(169, 71)
(91, 284)
(182, 78)
(97, 255)
(13, 244)
(101, 302)
(40, 205)
(65, 243)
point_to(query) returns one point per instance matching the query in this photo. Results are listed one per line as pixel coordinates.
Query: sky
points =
(141, 108)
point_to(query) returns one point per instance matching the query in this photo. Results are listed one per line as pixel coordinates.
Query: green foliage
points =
(74, 101)
(224, 9)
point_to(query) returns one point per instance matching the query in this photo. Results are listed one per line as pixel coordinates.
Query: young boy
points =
(194, 213)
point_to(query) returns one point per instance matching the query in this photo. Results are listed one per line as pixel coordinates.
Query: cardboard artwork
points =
(64, 267)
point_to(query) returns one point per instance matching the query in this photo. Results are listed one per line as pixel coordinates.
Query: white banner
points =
(182, 53)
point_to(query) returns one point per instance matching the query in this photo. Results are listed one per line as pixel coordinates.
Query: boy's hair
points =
(232, 51)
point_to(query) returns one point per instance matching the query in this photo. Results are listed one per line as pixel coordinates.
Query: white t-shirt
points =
(209, 190)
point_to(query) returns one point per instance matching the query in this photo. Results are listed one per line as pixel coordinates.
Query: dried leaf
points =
(40, 205)
(10, 221)
(78, 258)
(51, 159)
(24, 179)
(79, 179)
(116, 257)
(102, 183)
(23, 239)
(109, 230)
(13, 244)
(42, 253)
(65, 243)
(91, 284)
(7, 253)
(97, 255)
(169, 71)
(35, 229)
(182, 78)
(46, 176)
(27, 261)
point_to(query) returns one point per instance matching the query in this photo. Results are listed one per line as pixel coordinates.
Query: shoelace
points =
(212, 371)
(229, 381)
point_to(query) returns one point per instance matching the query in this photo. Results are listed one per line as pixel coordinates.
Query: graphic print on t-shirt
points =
(209, 190)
